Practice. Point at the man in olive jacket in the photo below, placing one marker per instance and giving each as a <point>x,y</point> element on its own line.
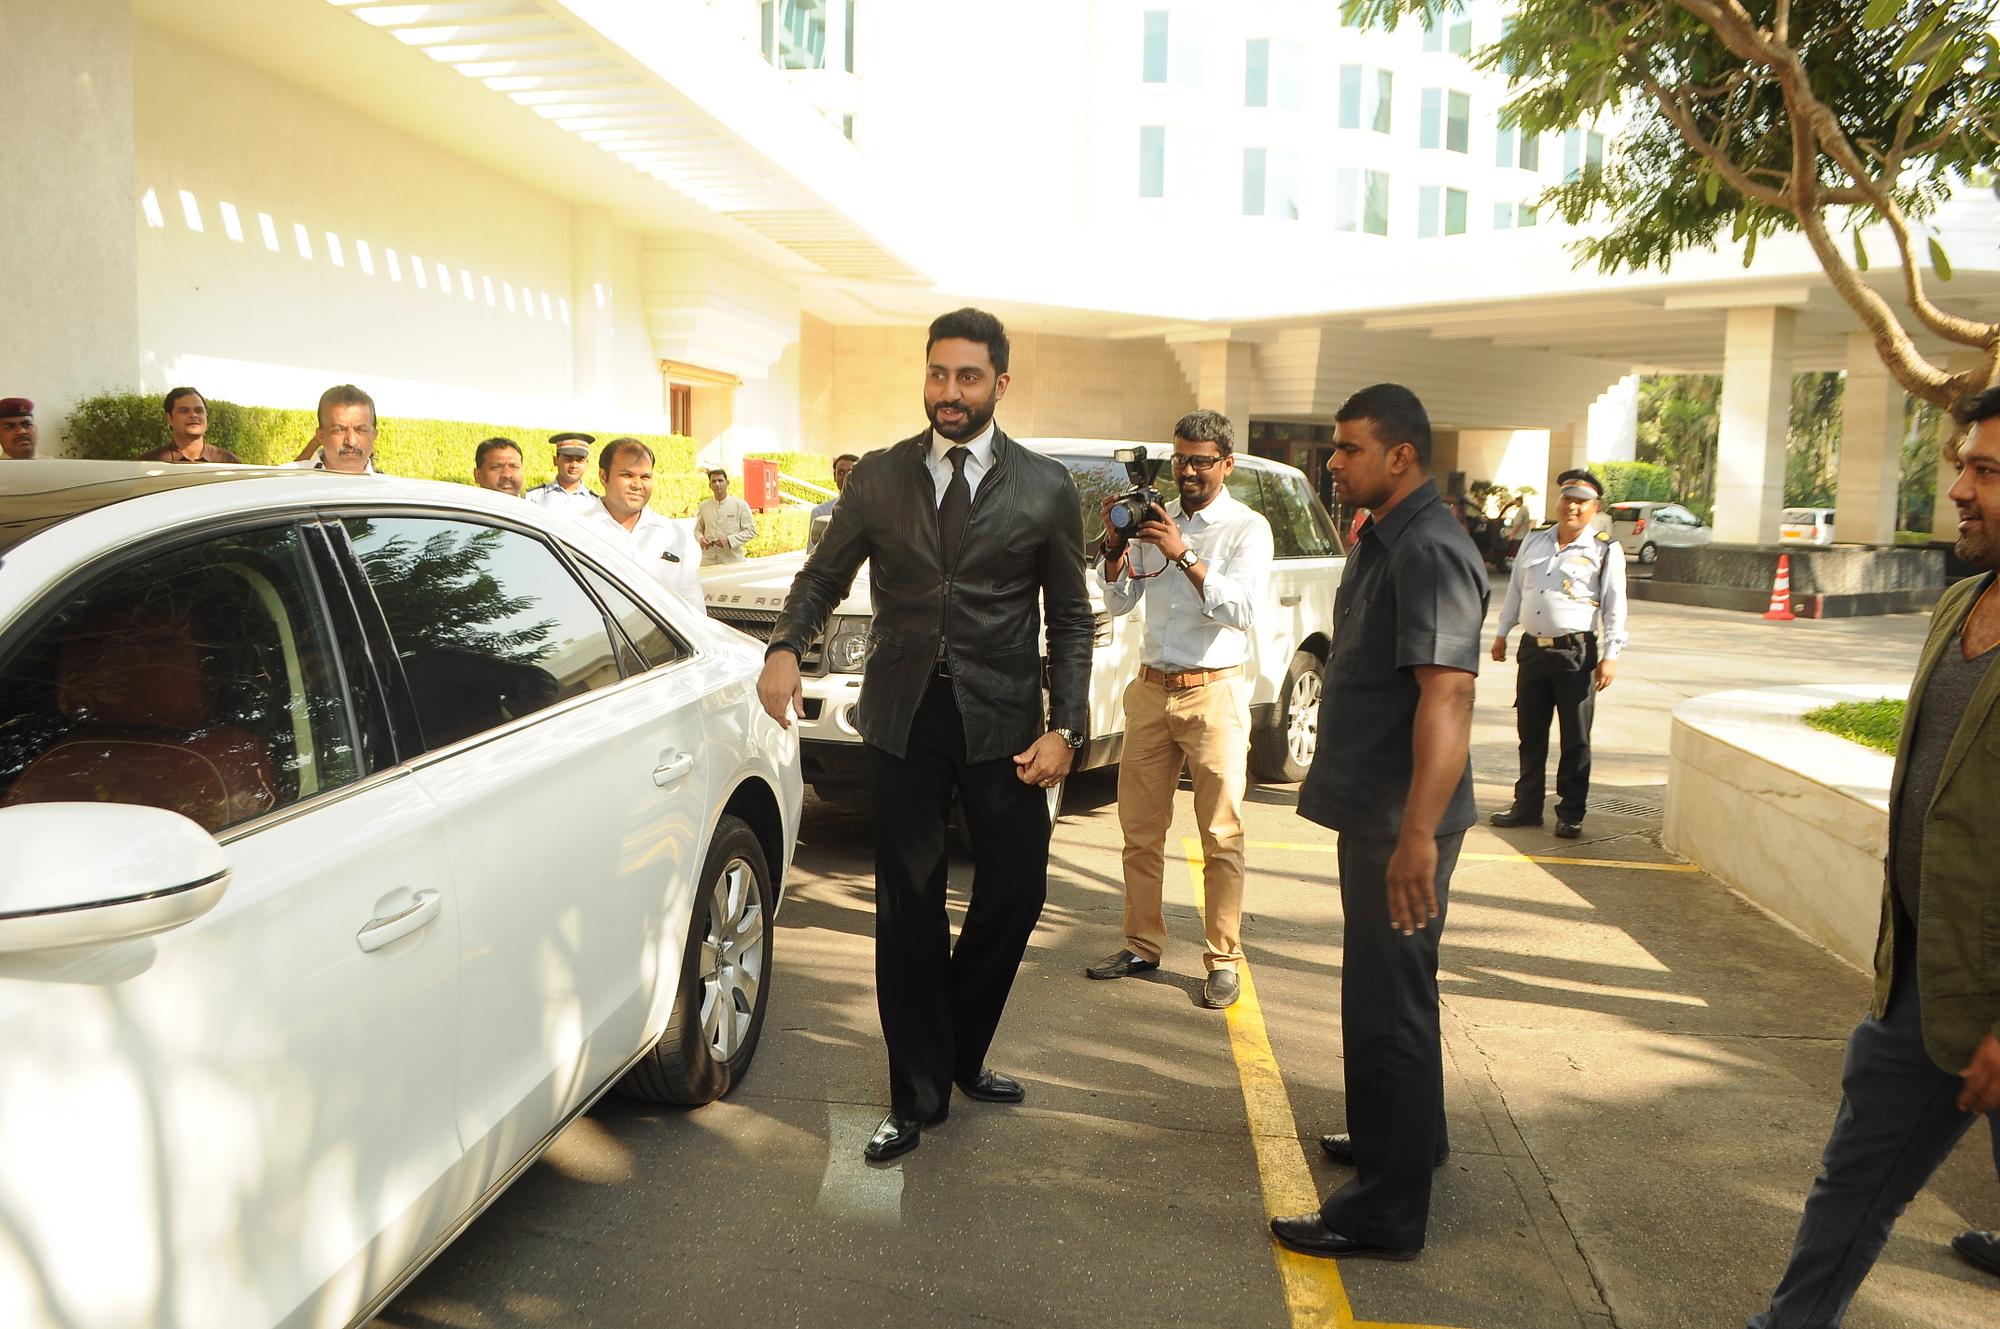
<point>967,536</point>
<point>1925,1063</point>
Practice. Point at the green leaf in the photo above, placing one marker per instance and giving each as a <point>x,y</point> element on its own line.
<point>1711,187</point>
<point>1907,52</point>
<point>1880,13</point>
<point>1750,248</point>
<point>1741,224</point>
<point>1860,251</point>
<point>1939,263</point>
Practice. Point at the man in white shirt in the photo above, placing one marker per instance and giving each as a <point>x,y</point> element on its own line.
<point>345,439</point>
<point>661,546</point>
<point>723,525</point>
<point>1201,571</point>
<point>567,492</point>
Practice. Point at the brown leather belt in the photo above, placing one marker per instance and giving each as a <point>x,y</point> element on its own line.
<point>1192,678</point>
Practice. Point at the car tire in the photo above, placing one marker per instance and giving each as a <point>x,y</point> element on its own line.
<point>1282,751</point>
<point>725,986</point>
<point>1649,553</point>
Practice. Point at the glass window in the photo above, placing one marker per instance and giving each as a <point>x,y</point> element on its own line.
<point>1531,152</point>
<point>1155,53</point>
<point>1288,76</point>
<point>1375,203</point>
<point>1505,142</point>
<point>1458,123</point>
<point>1503,216</point>
<point>1430,119</point>
<point>203,680</point>
<point>649,638</point>
<point>1253,182</point>
<point>1593,154</point>
<point>1300,527</point>
<point>1433,28</point>
<point>1283,199</point>
<point>1350,97</point>
<point>488,623</point>
<point>1152,161</point>
<point>1454,211</point>
<point>1427,211</point>
<point>1378,115</point>
<point>1572,154</point>
<point>1257,72</point>
<point>848,62</point>
<point>1525,216</point>
<point>1460,41</point>
<point>794,33</point>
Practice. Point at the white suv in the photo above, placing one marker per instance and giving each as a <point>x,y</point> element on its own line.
<point>1294,627</point>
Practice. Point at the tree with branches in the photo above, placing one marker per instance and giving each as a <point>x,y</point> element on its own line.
<point>1760,117</point>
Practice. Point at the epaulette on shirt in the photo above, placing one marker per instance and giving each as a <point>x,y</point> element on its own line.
<point>1604,537</point>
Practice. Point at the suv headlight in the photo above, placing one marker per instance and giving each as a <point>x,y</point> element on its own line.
<point>847,645</point>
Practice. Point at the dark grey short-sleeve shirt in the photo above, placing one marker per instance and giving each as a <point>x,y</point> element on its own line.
<point>1414,593</point>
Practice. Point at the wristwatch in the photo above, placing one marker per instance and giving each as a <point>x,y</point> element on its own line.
<point>1071,737</point>
<point>1189,557</point>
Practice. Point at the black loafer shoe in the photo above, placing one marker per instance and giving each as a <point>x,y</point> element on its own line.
<point>993,1087</point>
<point>1340,1148</point>
<point>1308,1234</point>
<point>1220,990</point>
<point>1980,1248</point>
<point>1568,830</point>
<point>896,1136</point>
<point>1122,965</point>
<point>1514,817</point>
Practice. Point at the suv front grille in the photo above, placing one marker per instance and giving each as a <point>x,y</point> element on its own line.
<point>759,624</point>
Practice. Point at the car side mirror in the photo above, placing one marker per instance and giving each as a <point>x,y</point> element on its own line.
<point>81,874</point>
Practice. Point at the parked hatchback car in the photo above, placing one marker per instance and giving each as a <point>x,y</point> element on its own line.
<point>1805,526</point>
<point>1644,528</point>
<point>1293,636</point>
<point>355,835</point>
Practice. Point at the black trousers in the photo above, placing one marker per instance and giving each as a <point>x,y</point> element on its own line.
<point>940,1004</point>
<point>1394,1068</point>
<point>1558,681</point>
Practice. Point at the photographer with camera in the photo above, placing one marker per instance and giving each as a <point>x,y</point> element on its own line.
<point>1200,568</point>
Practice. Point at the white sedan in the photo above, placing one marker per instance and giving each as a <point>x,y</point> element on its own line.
<point>355,835</point>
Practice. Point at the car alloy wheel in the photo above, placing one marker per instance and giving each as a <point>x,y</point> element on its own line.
<point>1649,552</point>
<point>732,959</point>
<point>1302,719</point>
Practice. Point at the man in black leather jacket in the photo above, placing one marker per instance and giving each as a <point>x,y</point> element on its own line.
<point>967,536</point>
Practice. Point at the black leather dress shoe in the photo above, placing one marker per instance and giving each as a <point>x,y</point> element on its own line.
<point>1568,830</point>
<point>1515,817</point>
<point>993,1087</point>
<point>898,1135</point>
<point>1221,989</point>
<point>1340,1148</point>
<point>1980,1248</point>
<point>1122,965</point>
<point>1308,1234</point>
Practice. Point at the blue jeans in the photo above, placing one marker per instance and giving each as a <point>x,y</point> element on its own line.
<point>1898,1121</point>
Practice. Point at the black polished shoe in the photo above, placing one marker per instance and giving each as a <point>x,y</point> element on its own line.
<point>1340,1148</point>
<point>1980,1248</point>
<point>1568,830</point>
<point>993,1087</point>
<point>1308,1234</point>
<point>1221,989</point>
<point>1122,965</point>
<point>1512,817</point>
<point>896,1136</point>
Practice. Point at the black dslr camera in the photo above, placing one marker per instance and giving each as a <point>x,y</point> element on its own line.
<point>1135,506</point>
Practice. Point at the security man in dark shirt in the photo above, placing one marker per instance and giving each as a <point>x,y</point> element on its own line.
<point>1393,775</point>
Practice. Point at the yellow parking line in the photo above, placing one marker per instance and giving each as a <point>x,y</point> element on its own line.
<point>1314,1292</point>
<point>1287,846</point>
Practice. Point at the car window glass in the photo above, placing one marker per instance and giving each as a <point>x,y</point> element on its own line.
<point>1300,528</point>
<point>656,646</point>
<point>202,680</point>
<point>1096,481</point>
<point>488,623</point>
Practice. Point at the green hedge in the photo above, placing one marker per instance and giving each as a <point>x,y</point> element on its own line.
<point>1636,481</point>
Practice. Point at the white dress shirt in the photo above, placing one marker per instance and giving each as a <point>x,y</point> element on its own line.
<point>1557,589</point>
<point>976,466</point>
<point>1210,628</point>
<point>728,518</point>
<point>649,542</point>
<point>577,502</point>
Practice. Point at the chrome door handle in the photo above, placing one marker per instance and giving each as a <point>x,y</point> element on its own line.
<point>1289,600</point>
<point>674,768</point>
<point>392,927</point>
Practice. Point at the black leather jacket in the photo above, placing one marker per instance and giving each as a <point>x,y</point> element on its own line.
<point>1023,547</point>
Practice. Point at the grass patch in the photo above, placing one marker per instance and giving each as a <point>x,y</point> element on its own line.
<point>1875,724</point>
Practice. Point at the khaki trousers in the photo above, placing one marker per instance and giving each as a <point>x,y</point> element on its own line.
<point>1208,729</point>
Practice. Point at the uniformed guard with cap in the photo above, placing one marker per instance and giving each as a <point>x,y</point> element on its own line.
<point>17,429</point>
<point>1568,581</point>
<point>567,492</point>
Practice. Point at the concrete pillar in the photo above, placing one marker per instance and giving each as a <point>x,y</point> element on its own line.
<point>592,300</point>
<point>1569,449</point>
<point>1756,415</point>
<point>1228,371</point>
<point>1944,512</point>
<point>1871,448</point>
<point>70,258</point>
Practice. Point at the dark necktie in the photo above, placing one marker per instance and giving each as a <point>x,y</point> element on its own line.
<point>955,507</point>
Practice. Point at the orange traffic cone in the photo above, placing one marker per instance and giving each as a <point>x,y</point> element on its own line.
<point>1781,592</point>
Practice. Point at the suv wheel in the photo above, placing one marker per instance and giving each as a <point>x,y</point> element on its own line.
<point>1283,750</point>
<point>1649,553</point>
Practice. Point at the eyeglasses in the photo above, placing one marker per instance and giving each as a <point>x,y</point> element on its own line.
<point>1199,463</point>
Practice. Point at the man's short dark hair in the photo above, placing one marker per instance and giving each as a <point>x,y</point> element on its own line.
<point>345,394</point>
<point>610,452</point>
<point>1397,415</point>
<point>1205,426</point>
<point>1579,473</point>
<point>972,325</point>
<point>845,456</point>
<point>1980,406</point>
<point>491,446</point>
<point>167,406</point>
<point>714,471</point>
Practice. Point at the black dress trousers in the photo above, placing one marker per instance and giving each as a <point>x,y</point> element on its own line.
<point>941,1004</point>
<point>1558,682</point>
<point>1394,1061</point>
